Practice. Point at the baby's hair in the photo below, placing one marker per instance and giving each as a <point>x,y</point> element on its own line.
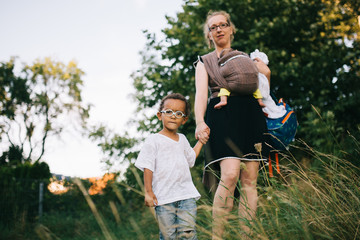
<point>176,96</point>
<point>211,14</point>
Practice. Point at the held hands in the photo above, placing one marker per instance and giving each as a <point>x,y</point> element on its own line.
<point>202,132</point>
<point>150,199</point>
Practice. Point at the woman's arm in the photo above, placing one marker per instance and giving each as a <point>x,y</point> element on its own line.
<point>263,68</point>
<point>202,131</point>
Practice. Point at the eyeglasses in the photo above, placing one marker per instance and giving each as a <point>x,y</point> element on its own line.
<point>221,26</point>
<point>170,113</point>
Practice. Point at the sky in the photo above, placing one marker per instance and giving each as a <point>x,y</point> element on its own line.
<point>104,37</point>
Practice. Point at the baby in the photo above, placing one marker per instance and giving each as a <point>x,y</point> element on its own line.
<point>262,94</point>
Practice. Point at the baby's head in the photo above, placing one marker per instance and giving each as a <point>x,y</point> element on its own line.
<point>176,96</point>
<point>228,54</point>
<point>261,55</point>
<point>225,51</point>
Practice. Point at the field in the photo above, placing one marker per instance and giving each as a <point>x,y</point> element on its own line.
<point>304,201</point>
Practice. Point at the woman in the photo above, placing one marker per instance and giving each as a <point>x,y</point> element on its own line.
<point>235,132</point>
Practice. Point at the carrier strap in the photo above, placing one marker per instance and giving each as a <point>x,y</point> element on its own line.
<point>270,168</point>
<point>287,116</point>
<point>271,174</point>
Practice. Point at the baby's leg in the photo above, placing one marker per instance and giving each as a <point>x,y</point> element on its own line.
<point>223,102</point>
<point>261,103</point>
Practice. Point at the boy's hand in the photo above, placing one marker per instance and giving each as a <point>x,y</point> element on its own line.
<point>202,132</point>
<point>150,199</point>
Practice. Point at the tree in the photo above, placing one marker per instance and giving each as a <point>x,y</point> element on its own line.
<point>313,47</point>
<point>13,91</point>
<point>36,103</point>
<point>117,149</point>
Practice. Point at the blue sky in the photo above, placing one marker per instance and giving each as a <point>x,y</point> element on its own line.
<point>104,37</point>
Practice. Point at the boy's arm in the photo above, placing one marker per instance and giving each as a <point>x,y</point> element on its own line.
<point>197,148</point>
<point>150,198</point>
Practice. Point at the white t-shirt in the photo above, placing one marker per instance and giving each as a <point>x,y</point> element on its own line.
<point>170,161</point>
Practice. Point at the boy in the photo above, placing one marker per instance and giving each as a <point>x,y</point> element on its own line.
<point>166,158</point>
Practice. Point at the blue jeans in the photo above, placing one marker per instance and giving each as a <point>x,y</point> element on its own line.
<point>177,220</point>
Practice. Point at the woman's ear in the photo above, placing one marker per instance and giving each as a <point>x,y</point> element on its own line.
<point>210,36</point>
<point>210,40</point>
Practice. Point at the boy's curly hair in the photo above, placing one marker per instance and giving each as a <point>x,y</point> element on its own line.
<point>179,97</point>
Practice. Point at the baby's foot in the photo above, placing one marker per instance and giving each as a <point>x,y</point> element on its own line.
<point>261,103</point>
<point>222,103</point>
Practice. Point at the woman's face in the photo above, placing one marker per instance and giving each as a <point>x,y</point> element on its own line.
<point>220,37</point>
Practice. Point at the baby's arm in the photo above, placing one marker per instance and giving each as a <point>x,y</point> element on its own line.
<point>150,198</point>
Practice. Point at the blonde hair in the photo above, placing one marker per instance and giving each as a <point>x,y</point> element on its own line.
<point>206,27</point>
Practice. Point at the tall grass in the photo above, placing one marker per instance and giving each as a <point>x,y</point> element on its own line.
<point>302,202</point>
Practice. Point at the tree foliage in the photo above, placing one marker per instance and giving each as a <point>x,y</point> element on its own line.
<point>37,102</point>
<point>118,150</point>
<point>13,90</point>
<point>313,47</point>
<point>19,190</point>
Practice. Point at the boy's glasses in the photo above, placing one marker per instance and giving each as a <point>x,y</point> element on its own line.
<point>221,26</point>
<point>170,113</point>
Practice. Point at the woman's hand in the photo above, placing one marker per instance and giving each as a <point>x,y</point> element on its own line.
<point>202,132</point>
<point>150,199</point>
<point>262,67</point>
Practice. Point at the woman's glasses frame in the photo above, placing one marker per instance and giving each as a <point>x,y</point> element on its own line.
<point>221,26</point>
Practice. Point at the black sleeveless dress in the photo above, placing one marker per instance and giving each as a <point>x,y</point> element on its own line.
<point>237,130</point>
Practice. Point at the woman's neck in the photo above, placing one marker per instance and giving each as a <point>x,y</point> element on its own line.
<point>218,49</point>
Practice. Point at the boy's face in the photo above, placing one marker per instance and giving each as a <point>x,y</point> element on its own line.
<point>172,123</point>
